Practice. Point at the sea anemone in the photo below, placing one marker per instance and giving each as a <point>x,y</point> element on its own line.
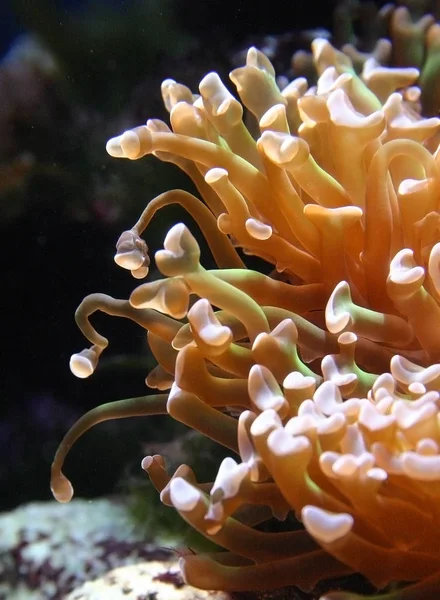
<point>321,377</point>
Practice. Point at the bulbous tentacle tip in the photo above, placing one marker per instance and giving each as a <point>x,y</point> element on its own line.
<point>114,148</point>
<point>83,364</point>
<point>131,252</point>
<point>61,487</point>
<point>132,144</point>
<point>181,253</point>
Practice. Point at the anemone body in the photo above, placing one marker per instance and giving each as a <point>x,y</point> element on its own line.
<point>324,383</point>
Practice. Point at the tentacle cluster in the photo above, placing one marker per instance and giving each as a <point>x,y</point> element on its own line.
<point>325,385</point>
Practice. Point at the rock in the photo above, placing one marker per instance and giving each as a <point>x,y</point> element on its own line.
<point>48,549</point>
<point>152,580</point>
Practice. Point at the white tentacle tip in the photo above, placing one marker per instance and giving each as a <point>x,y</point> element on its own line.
<point>325,526</point>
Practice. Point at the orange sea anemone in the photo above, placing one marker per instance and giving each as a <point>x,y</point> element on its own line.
<point>324,383</point>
